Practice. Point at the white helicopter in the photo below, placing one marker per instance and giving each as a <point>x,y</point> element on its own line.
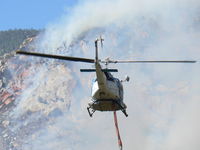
<point>107,91</point>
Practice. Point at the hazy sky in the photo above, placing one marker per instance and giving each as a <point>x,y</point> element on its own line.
<point>31,13</point>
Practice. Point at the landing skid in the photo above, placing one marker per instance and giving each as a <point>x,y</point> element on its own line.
<point>92,111</point>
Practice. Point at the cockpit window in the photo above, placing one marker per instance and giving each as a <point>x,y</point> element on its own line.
<point>109,76</point>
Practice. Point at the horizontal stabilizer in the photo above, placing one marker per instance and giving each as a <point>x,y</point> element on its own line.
<point>103,70</point>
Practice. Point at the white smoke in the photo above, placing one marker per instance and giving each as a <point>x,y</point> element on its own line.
<point>162,99</point>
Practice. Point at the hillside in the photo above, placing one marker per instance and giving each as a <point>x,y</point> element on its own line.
<point>15,74</point>
<point>11,39</point>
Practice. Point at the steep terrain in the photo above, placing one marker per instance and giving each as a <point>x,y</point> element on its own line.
<point>19,74</point>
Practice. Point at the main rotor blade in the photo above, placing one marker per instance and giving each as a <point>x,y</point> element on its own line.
<point>150,61</point>
<point>69,58</point>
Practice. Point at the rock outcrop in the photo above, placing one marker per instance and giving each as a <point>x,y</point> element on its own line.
<point>30,89</point>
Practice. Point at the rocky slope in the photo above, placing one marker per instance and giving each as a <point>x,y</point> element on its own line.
<point>26,90</point>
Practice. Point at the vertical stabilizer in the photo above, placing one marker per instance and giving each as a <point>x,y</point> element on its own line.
<point>101,78</point>
<point>96,47</point>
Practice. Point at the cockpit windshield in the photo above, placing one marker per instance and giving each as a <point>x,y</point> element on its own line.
<point>109,76</point>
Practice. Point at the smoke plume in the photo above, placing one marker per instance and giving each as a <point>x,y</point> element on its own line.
<point>162,99</point>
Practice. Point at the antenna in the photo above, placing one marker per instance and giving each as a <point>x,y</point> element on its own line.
<point>96,50</point>
<point>101,39</point>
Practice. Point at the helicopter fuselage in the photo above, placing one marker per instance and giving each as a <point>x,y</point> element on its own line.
<point>107,92</point>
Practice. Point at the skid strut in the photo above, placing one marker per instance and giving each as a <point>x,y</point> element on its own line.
<point>125,113</point>
<point>122,109</point>
<point>90,112</point>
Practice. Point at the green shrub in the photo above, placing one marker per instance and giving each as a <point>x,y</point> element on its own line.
<point>10,40</point>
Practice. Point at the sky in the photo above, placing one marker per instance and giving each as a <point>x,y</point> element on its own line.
<point>32,13</point>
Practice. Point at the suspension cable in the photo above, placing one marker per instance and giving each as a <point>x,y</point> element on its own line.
<point>117,131</point>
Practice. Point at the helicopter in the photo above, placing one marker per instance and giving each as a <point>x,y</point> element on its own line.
<point>107,90</point>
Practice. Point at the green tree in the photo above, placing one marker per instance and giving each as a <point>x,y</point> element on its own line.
<point>11,39</point>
